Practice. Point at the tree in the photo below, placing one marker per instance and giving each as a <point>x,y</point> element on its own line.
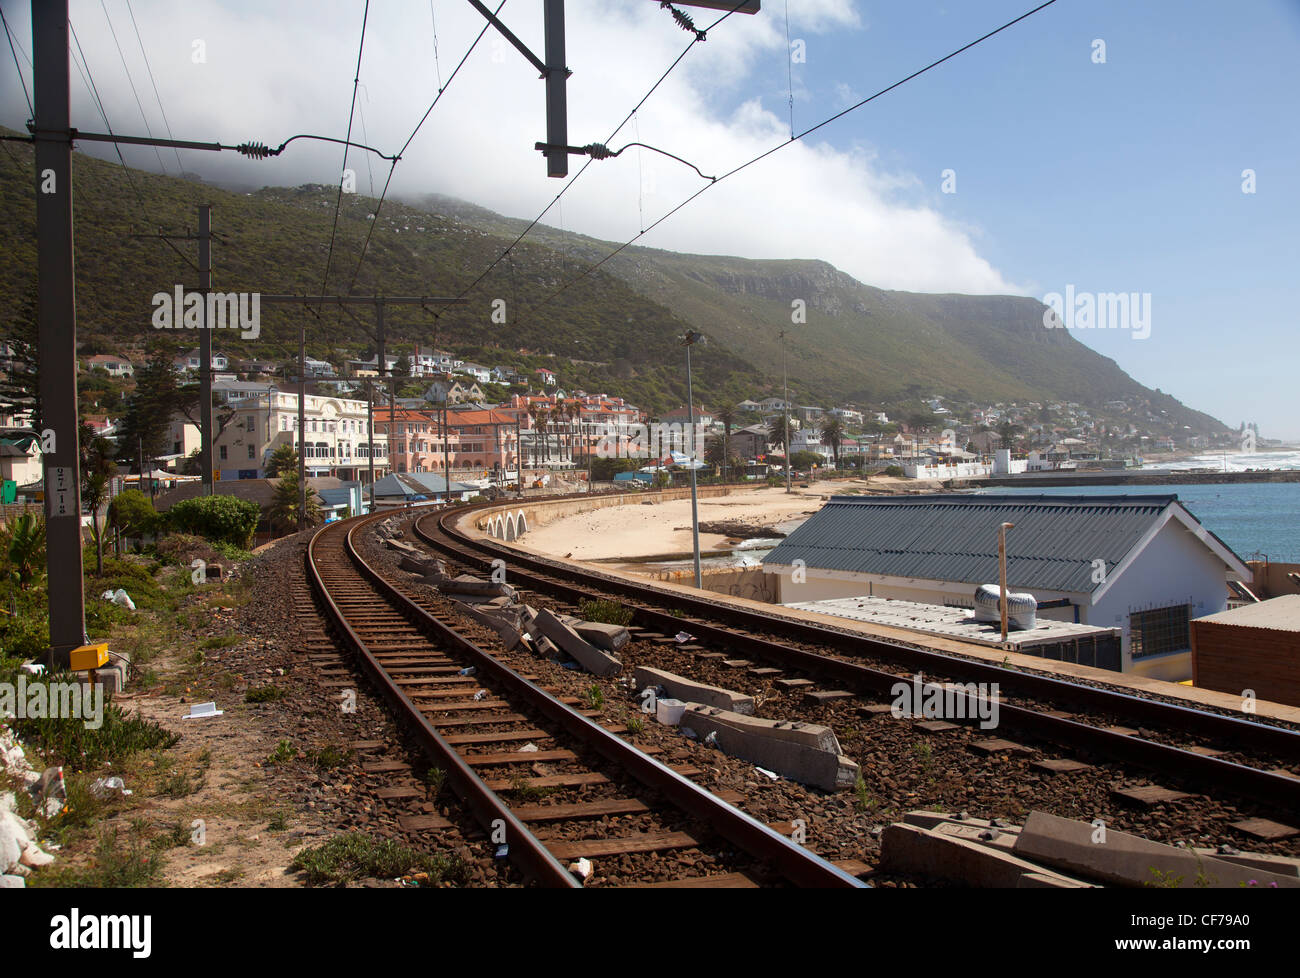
<point>1008,432</point>
<point>283,460</point>
<point>284,505</point>
<point>402,368</point>
<point>97,469</point>
<point>132,514</point>
<point>158,396</point>
<point>778,433</point>
<point>831,429</point>
<point>24,548</point>
<point>20,389</point>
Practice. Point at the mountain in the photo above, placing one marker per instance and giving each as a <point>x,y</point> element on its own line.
<point>614,329</point>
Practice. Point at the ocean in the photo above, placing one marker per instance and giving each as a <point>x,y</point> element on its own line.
<point>1254,519</point>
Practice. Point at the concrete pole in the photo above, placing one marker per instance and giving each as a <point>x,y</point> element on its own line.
<point>302,423</point>
<point>785,408</point>
<point>56,317</point>
<point>695,505</point>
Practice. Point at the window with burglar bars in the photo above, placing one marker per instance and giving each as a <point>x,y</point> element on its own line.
<point>1159,631</point>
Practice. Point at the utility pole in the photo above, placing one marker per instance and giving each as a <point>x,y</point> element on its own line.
<point>57,326</point>
<point>446,455</point>
<point>689,340</point>
<point>302,424</point>
<point>205,350</point>
<point>370,438</point>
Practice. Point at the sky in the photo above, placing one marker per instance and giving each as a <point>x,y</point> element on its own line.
<point>1100,146</point>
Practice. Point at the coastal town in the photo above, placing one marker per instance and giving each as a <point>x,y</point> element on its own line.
<point>446,422</point>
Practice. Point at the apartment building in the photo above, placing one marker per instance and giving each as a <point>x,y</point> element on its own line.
<point>256,419</point>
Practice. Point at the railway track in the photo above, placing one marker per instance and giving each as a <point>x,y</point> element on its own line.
<point>1243,757</point>
<point>548,784</point>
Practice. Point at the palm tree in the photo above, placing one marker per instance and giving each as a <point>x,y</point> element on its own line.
<point>778,433</point>
<point>831,429</point>
<point>282,461</point>
<point>25,548</point>
<point>727,414</point>
<point>284,505</point>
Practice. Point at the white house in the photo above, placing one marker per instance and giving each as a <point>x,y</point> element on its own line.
<point>111,365</point>
<point>476,370</point>
<point>1139,563</point>
<point>192,361</point>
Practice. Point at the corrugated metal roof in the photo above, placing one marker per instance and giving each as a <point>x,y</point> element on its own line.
<point>955,537</point>
<point>1280,614</point>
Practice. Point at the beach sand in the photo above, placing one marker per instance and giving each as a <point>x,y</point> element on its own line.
<point>634,530</point>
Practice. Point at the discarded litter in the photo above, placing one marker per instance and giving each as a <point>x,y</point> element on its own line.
<point>480,695</point>
<point>570,665</point>
<point>106,787</point>
<point>33,668</point>
<point>580,868</point>
<point>712,739</point>
<point>689,734</point>
<point>200,711</point>
<point>669,711</point>
<point>683,637</point>
<point>503,851</point>
<point>469,671</point>
<point>528,748</point>
<point>119,597</point>
<point>771,774</point>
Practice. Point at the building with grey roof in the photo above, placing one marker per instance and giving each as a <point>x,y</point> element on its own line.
<point>1141,562</point>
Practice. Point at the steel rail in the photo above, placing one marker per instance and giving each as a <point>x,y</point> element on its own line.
<point>795,863</point>
<point>1278,789</point>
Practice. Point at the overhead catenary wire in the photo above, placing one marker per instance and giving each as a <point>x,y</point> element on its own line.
<point>147,67</point>
<point>782,145</point>
<point>89,78</point>
<point>365,246</point>
<point>590,159</point>
<point>338,203</point>
<point>21,77</point>
<point>131,81</point>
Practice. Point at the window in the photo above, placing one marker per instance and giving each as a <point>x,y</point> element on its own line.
<point>222,452</point>
<point>250,451</point>
<point>1159,631</point>
<point>248,425</point>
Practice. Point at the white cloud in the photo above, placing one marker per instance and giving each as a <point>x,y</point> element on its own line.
<point>271,75</point>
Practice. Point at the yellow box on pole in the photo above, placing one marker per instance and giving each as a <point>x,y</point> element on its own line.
<point>88,657</point>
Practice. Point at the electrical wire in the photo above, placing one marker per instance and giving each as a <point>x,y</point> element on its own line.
<point>365,246</point>
<point>149,69</point>
<point>130,81</point>
<point>338,203</point>
<point>21,77</point>
<point>89,78</point>
<point>782,145</point>
<point>583,169</point>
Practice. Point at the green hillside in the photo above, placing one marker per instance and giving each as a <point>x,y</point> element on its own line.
<point>616,329</point>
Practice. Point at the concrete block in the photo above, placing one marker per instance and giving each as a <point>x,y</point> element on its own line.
<point>499,620</point>
<point>1129,860</point>
<point>587,655</point>
<point>112,678</point>
<point>1284,865</point>
<point>473,587</point>
<point>691,691</point>
<point>611,638</point>
<point>804,752</point>
<point>914,850</point>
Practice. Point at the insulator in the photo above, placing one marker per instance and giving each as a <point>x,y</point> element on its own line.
<point>597,151</point>
<point>256,151</point>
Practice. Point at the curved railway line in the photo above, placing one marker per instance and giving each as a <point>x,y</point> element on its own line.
<point>1217,752</point>
<point>599,796</point>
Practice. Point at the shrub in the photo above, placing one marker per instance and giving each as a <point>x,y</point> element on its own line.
<point>606,611</point>
<point>132,514</point>
<point>220,519</point>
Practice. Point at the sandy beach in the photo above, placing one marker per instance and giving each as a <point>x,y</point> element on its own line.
<point>636,531</point>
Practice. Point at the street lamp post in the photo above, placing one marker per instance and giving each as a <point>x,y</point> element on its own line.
<point>1002,574</point>
<point>689,340</point>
